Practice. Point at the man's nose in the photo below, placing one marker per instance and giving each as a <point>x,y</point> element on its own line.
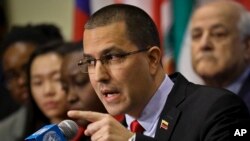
<point>101,72</point>
<point>205,42</point>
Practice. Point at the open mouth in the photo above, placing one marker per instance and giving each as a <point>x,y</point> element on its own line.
<point>110,95</point>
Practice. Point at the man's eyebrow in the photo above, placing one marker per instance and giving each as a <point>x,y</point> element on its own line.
<point>105,51</point>
<point>196,29</point>
<point>86,55</point>
<point>216,26</point>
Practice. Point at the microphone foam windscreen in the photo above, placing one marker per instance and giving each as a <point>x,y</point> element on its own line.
<point>69,128</point>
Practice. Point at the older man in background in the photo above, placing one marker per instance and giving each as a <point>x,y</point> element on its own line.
<point>220,40</point>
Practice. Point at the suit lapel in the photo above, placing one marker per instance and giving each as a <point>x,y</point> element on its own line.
<point>170,114</point>
<point>166,124</point>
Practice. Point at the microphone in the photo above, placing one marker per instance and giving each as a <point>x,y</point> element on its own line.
<point>65,130</point>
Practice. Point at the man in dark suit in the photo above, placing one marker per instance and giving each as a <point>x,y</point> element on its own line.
<point>220,40</point>
<point>122,56</point>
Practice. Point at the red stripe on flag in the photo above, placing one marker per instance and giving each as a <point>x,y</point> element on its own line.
<point>118,1</point>
<point>245,3</point>
<point>80,19</point>
<point>156,12</point>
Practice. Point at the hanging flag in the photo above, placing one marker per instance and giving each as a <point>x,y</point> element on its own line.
<point>181,12</point>
<point>81,15</point>
<point>245,3</point>
<point>175,37</point>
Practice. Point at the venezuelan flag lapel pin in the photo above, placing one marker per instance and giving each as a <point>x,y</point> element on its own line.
<point>164,124</point>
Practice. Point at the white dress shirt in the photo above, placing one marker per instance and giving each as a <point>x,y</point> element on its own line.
<point>151,113</point>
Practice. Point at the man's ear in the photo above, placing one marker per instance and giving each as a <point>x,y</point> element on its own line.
<point>155,56</point>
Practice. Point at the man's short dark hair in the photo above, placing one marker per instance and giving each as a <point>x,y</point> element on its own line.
<point>141,29</point>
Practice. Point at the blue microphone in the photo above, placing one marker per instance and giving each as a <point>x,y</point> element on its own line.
<point>65,130</point>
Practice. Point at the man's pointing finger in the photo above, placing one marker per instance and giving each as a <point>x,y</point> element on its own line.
<point>86,115</point>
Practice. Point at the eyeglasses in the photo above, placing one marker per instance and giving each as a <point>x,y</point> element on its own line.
<point>111,61</point>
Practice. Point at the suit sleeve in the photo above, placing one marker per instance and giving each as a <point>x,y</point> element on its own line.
<point>223,119</point>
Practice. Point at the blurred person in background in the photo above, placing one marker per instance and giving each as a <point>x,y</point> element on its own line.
<point>17,47</point>
<point>50,31</point>
<point>79,91</point>
<point>45,81</point>
<point>47,100</point>
<point>220,40</point>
